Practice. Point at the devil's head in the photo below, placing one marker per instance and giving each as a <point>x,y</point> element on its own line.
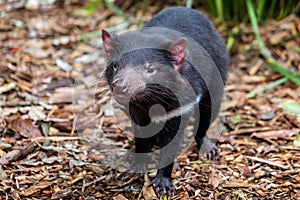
<point>135,72</point>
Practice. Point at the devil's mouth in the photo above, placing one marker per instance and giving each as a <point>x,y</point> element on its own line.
<point>122,98</point>
<point>125,98</point>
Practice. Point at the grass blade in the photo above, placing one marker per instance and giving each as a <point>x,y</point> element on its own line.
<point>189,3</point>
<point>267,87</point>
<point>219,5</point>
<point>260,10</point>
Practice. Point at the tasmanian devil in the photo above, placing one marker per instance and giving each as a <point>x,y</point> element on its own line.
<point>175,66</point>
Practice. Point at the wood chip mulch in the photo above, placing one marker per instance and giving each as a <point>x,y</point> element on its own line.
<point>59,127</point>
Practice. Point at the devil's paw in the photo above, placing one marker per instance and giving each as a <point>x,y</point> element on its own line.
<point>163,187</point>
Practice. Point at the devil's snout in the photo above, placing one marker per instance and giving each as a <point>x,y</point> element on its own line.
<point>119,86</point>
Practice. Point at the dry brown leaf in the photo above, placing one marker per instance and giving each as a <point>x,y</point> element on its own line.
<point>214,179</point>
<point>9,157</point>
<point>25,128</point>
<point>119,197</point>
<point>14,155</point>
<point>35,188</point>
<point>147,190</point>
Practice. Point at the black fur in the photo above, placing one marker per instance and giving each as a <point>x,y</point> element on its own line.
<point>128,74</point>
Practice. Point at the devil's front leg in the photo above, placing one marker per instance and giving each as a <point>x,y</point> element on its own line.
<point>202,123</point>
<point>141,157</point>
<point>170,139</point>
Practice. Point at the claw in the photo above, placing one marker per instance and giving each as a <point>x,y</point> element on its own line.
<point>209,149</point>
<point>213,154</point>
<point>163,187</point>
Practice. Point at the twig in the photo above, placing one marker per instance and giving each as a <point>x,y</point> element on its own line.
<point>267,162</point>
<point>53,138</point>
<point>247,130</point>
<point>290,148</point>
<point>84,185</point>
<point>74,126</point>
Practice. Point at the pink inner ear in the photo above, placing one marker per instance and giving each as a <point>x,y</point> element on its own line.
<point>106,40</point>
<point>105,36</point>
<point>179,52</point>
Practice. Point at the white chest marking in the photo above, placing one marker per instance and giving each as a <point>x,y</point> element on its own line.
<point>176,112</point>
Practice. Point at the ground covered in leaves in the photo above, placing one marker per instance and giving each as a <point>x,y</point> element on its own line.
<point>55,110</point>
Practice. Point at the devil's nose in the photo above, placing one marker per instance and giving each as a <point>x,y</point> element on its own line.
<point>120,89</point>
<point>119,86</point>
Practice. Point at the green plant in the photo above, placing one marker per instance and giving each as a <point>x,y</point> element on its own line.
<point>264,51</point>
<point>236,10</point>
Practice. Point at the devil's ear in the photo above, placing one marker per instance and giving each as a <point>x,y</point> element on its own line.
<point>178,53</point>
<point>106,38</point>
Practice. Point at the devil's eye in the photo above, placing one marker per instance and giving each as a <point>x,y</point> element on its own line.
<point>150,70</point>
<point>114,67</point>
